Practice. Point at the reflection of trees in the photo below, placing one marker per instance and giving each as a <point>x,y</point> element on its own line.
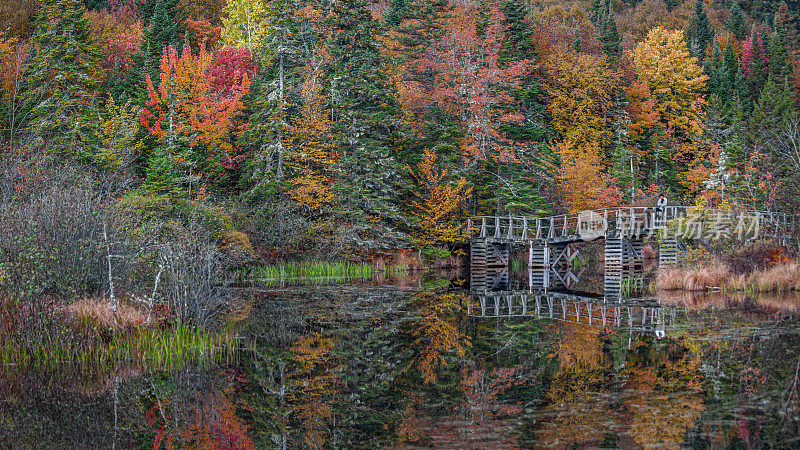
<point>313,386</point>
<point>668,397</point>
<point>436,332</point>
<point>579,387</point>
<point>753,378</point>
<point>194,410</point>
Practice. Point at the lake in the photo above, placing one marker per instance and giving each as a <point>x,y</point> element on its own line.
<point>425,363</point>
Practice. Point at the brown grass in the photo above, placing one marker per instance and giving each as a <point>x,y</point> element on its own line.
<point>99,309</point>
<point>779,278</point>
<point>698,279</point>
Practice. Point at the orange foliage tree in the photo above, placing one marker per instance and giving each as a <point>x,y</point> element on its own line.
<point>581,174</point>
<point>470,83</point>
<point>436,333</point>
<point>313,158</point>
<point>437,203</point>
<point>185,109</point>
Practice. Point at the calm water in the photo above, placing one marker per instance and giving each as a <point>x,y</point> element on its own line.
<point>431,365</point>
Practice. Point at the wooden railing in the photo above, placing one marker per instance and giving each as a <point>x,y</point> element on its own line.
<point>633,221</point>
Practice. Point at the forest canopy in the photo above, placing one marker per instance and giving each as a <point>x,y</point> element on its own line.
<point>355,128</point>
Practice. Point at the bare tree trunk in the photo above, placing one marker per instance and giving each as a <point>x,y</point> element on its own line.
<point>110,275</point>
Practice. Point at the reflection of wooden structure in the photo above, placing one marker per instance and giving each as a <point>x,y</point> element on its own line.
<point>636,315</point>
<point>551,241</point>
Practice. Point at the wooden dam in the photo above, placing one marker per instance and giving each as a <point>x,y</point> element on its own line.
<point>552,241</point>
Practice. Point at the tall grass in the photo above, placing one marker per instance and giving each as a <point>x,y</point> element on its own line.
<point>779,278</point>
<point>319,272</point>
<point>157,348</point>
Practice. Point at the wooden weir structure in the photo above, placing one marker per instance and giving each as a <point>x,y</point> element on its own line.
<point>552,241</point>
<point>636,315</point>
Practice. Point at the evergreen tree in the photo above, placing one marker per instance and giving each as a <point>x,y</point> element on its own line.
<point>731,60</point>
<point>269,122</point>
<point>610,37</point>
<point>720,82</point>
<point>774,107</point>
<point>779,65</point>
<point>161,178</point>
<point>519,42</point>
<point>364,122</point>
<point>61,80</point>
<point>576,40</point>
<point>700,32</point>
<point>165,26</point>
<point>395,13</point>
<point>785,24</point>
<point>421,24</point>
<point>483,19</point>
<point>737,24</point>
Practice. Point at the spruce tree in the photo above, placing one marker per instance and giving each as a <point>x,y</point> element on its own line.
<point>737,24</point>
<point>395,13</point>
<point>774,107</point>
<point>483,18</point>
<point>61,80</point>
<point>364,121</point>
<point>610,37</point>
<point>165,26</point>
<point>511,187</point>
<point>519,42</point>
<point>576,40</point>
<point>700,32</point>
<point>420,25</point>
<point>779,65</point>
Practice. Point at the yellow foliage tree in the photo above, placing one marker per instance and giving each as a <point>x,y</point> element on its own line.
<point>119,127</point>
<point>313,157</point>
<point>675,80</point>
<point>245,23</point>
<point>580,88</point>
<point>437,203</point>
<point>581,174</point>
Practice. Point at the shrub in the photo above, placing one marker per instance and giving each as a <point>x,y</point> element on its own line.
<point>754,256</point>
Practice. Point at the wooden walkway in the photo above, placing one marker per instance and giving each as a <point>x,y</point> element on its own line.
<point>551,241</point>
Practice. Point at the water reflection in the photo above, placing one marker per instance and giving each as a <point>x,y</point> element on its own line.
<point>438,367</point>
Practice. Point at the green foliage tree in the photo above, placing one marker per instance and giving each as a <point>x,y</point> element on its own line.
<point>165,25</point>
<point>737,24</point>
<point>700,32</point>
<point>61,81</point>
<point>364,119</point>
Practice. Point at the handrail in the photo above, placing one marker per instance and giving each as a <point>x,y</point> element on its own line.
<point>648,219</point>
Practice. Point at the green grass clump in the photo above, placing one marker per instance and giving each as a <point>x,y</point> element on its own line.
<point>319,272</point>
<point>157,348</point>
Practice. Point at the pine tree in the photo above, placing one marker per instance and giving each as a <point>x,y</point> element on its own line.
<point>519,43</point>
<point>610,37</point>
<point>700,32</point>
<point>364,122</point>
<point>165,26</point>
<point>576,40</point>
<point>396,12</point>
<point>61,80</point>
<point>736,23</point>
<point>421,24</point>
